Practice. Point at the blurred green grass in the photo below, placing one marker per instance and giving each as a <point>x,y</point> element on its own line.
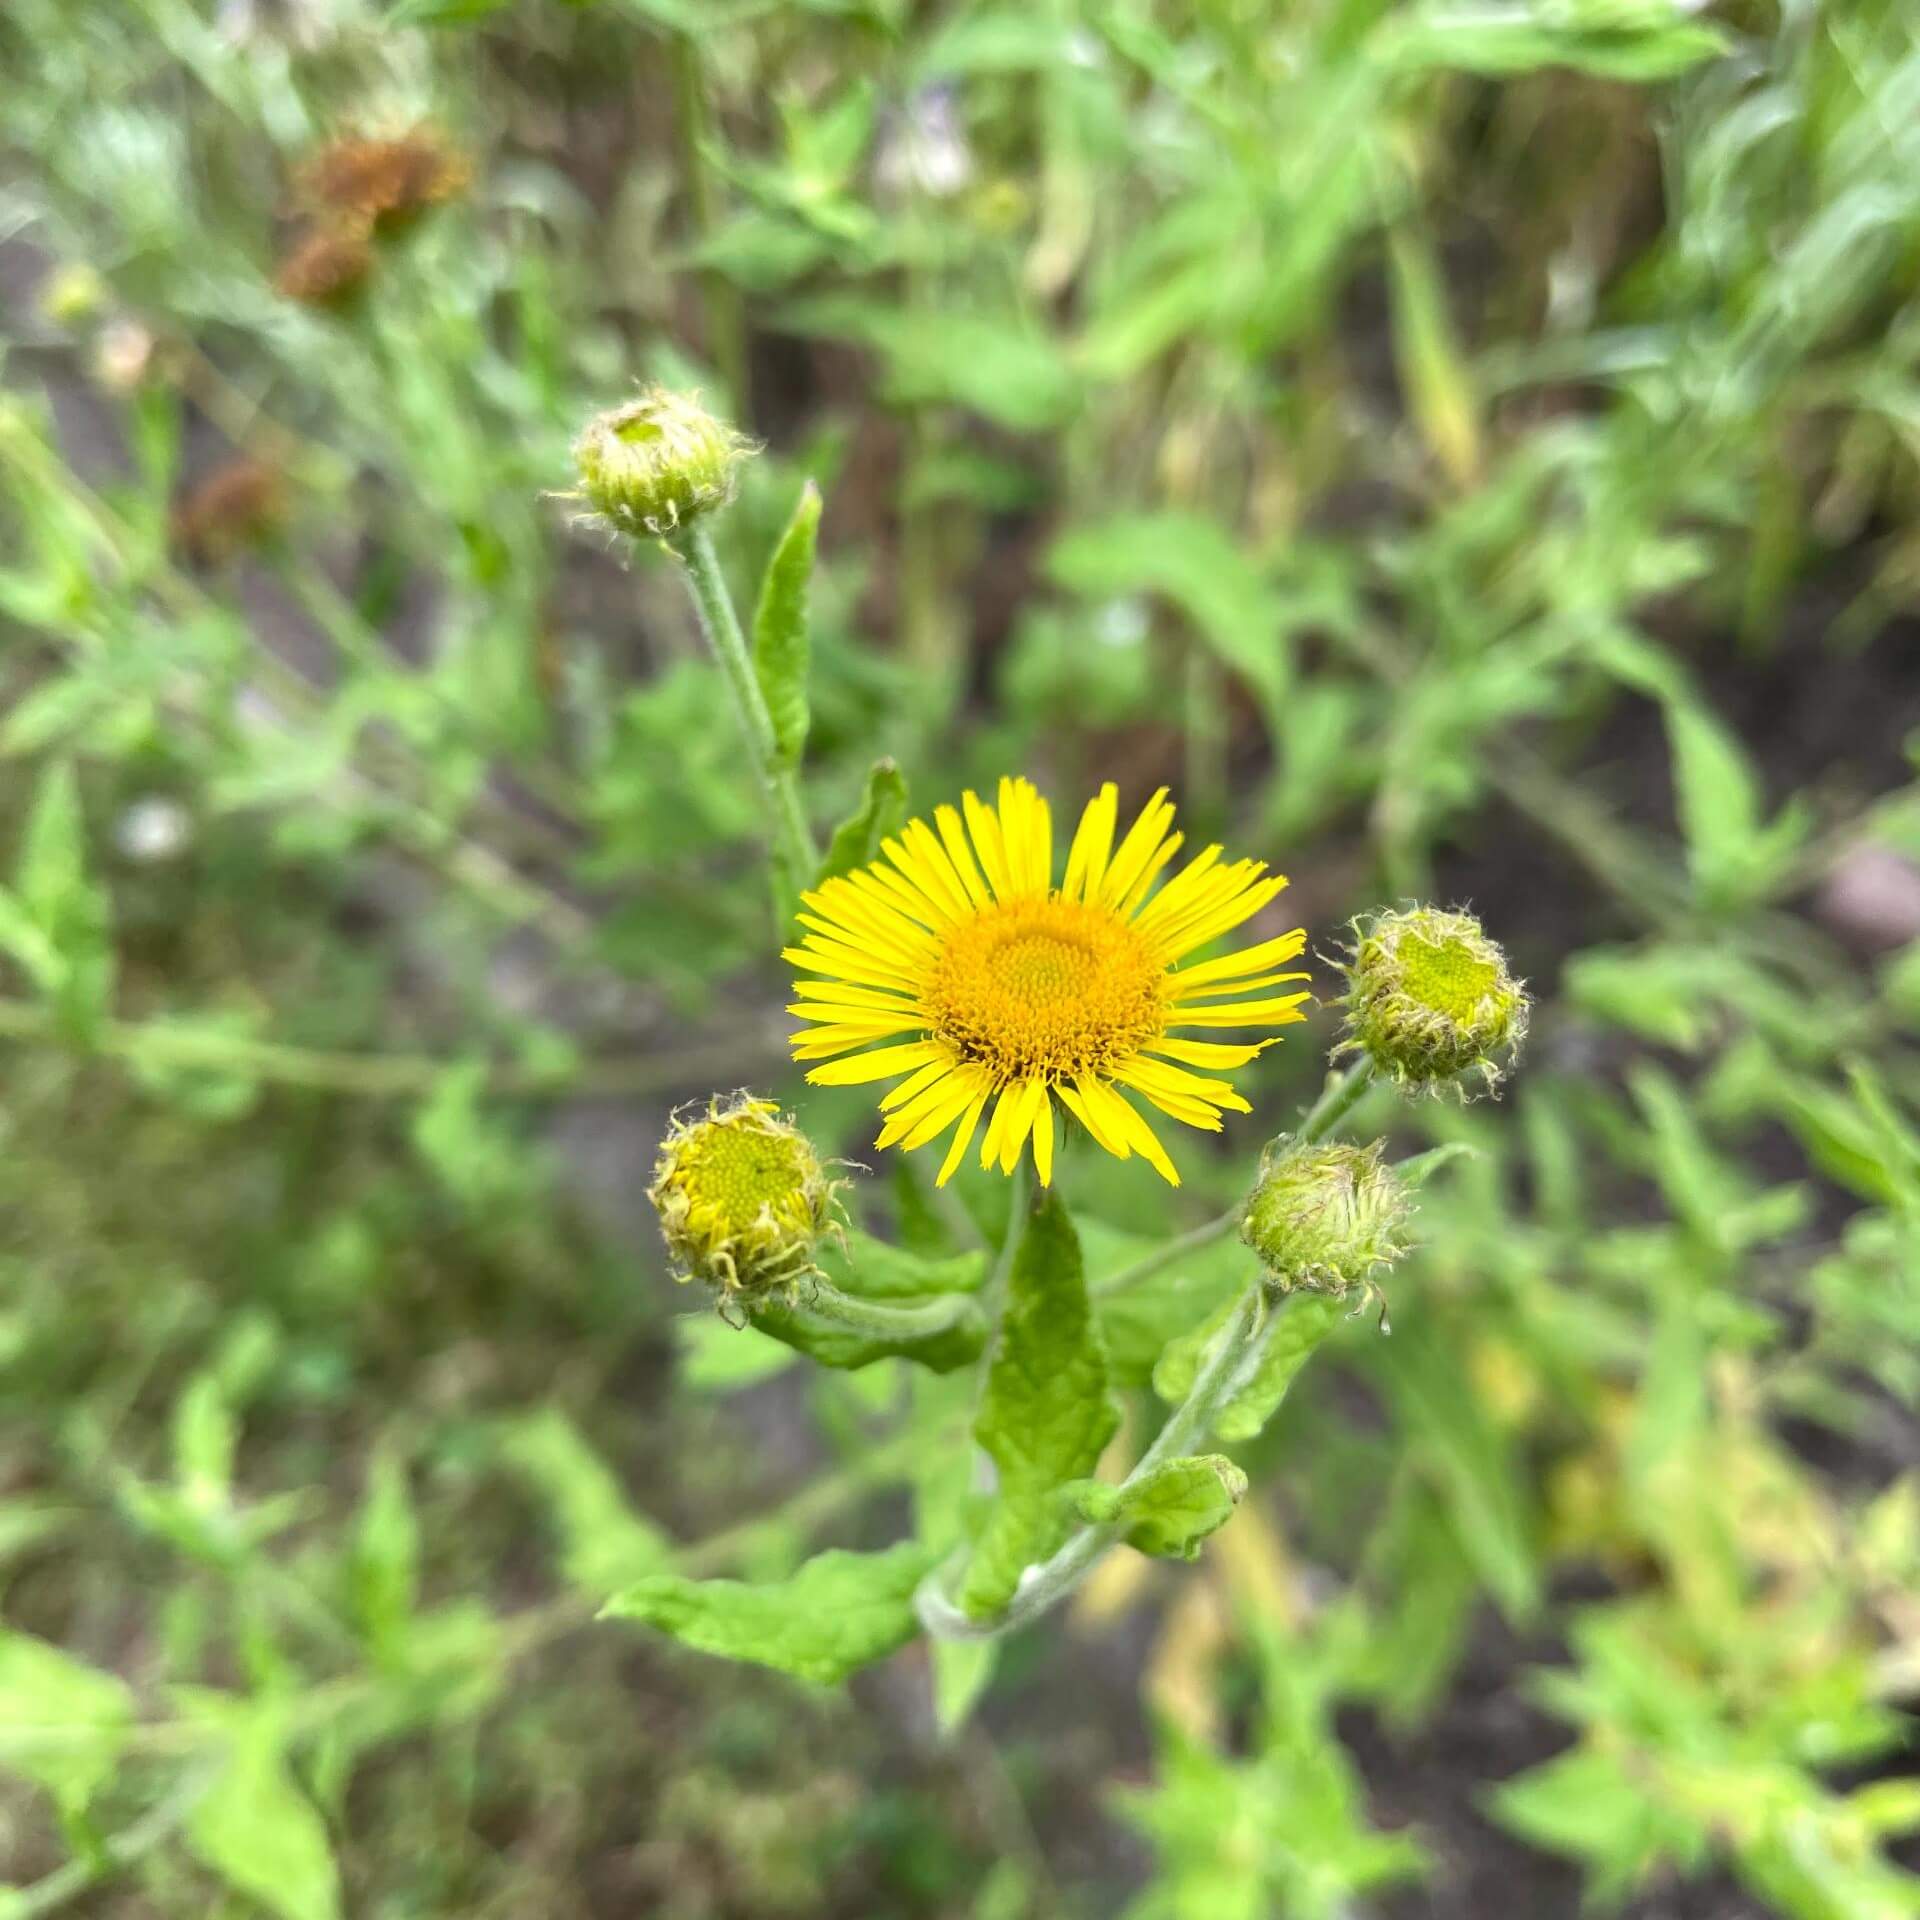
<point>1465,452</point>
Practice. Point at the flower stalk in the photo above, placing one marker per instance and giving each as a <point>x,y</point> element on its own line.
<point>793,838</point>
<point>1232,1360</point>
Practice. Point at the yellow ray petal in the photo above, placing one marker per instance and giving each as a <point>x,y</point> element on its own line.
<point>1258,980</point>
<point>1143,838</point>
<point>1250,1013</point>
<point>1071,1099</point>
<point>1092,842</point>
<point>1230,966</point>
<point>1230,914</point>
<point>882,1065</point>
<point>1032,1096</point>
<point>1208,1053</point>
<point>912,1089</point>
<point>1123,1119</point>
<point>962,1138</point>
<point>953,837</point>
<point>985,830</point>
<point>1003,1111</point>
<point>1152,1076</point>
<point>1043,1139</point>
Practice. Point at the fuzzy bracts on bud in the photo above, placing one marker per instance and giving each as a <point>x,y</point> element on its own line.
<point>661,461</point>
<point>1430,1000</point>
<point>743,1200</point>
<point>1328,1217</point>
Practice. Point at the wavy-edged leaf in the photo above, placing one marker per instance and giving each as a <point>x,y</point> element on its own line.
<point>839,1612</point>
<point>781,648</point>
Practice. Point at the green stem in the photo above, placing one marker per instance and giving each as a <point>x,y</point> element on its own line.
<point>936,1314</point>
<point>787,817</point>
<point>1160,1258</point>
<point>153,1829</point>
<point>1338,1099</point>
<point>1230,1361</point>
<point>1233,1356</point>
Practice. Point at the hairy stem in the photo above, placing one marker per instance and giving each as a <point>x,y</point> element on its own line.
<point>1232,1358</point>
<point>1341,1095</point>
<point>937,1313</point>
<point>786,817</point>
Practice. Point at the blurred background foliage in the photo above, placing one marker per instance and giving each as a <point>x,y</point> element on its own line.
<point>1466,451</point>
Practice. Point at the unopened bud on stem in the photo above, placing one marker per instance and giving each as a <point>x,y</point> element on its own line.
<point>1331,1217</point>
<point>1430,1000</point>
<point>743,1200</point>
<point>653,466</point>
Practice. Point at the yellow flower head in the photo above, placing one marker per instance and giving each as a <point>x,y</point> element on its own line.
<point>987,984</point>
<point>742,1198</point>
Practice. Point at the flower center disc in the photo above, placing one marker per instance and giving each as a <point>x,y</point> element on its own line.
<point>1445,976</point>
<point>735,1171</point>
<point>1045,987</point>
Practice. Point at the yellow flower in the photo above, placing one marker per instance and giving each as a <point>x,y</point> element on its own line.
<point>988,984</point>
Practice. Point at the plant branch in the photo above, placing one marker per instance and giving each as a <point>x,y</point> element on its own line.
<point>787,818</point>
<point>1232,1358</point>
<point>893,1320</point>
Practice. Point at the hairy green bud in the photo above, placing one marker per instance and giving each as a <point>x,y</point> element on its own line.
<point>1430,1000</point>
<point>651,467</point>
<point>743,1200</point>
<point>1329,1217</point>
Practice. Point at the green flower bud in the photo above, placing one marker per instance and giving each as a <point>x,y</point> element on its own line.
<point>1430,1000</point>
<point>743,1199</point>
<point>662,460</point>
<point>1329,1217</point>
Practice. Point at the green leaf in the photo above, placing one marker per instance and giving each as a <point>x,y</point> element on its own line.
<point>55,922</point>
<point>714,1357</point>
<point>604,1544</point>
<point>1418,1168</point>
<point>1449,1432</point>
<point>442,13</point>
<point>780,644</point>
<point>955,1343</point>
<point>1001,366</point>
<point>1173,1508</point>
<point>962,1671</point>
<point>1641,40</point>
<point>1433,370</point>
<point>1197,566</point>
<point>838,1613</point>
<point>62,1722</point>
<point>260,1833</point>
<point>881,813</point>
<point>385,1562</point>
<point>1045,1416</point>
<point>1305,1320</point>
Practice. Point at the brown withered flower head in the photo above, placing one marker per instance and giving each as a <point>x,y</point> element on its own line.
<point>326,267</point>
<point>241,503</point>
<point>384,181</point>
